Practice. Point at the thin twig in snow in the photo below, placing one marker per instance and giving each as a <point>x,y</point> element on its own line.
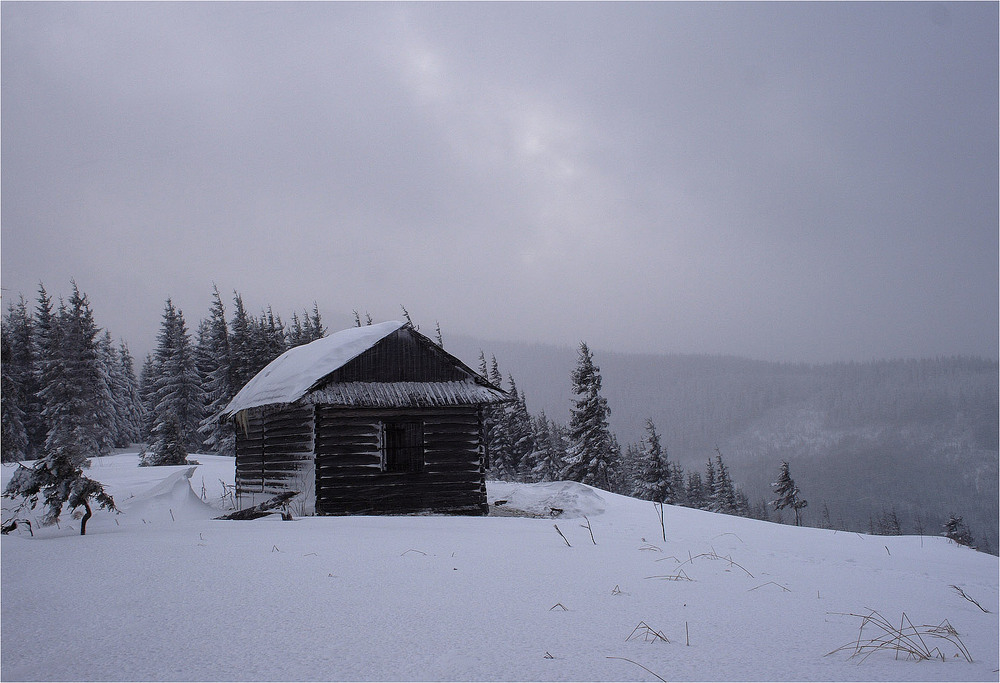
<point>962,593</point>
<point>641,667</point>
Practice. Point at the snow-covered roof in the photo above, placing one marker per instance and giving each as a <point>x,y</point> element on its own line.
<point>290,376</point>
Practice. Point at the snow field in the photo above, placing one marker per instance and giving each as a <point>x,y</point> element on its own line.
<point>185,597</point>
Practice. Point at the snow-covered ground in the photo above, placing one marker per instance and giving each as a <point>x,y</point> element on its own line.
<point>165,592</point>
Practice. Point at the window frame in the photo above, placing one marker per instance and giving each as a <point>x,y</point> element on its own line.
<point>402,446</point>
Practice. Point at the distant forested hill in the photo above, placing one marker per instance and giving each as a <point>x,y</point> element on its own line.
<point>919,436</point>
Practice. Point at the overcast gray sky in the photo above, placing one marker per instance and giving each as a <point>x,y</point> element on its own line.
<point>785,181</point>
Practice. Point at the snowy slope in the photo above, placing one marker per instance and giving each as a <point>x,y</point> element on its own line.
<point>164,592</point>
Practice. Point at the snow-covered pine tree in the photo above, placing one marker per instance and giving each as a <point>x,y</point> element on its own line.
<point>71,388</point>
<point>132,413</point>
<point>178,396</point>
<point>270,341</point>
<point>314,329</point>
<point>45,321</point>
<point>13,433</point>
<point>492,416</point>
<point>624,476</point>
<point>956,529</point>
<point>215,366</point>
<point>709,487</point>
<point>678,493</point>
<point>495,377</point>
<point>107,414</point>
<point>168,447</point>
<point>241,344</point>
<point>551,449</point>
<point>25,334</point>
<point>654,476</point>
<point>309,328</point>
<point>726,500</point>
<point>501,447</point>
<point>788,493</point>
<point>19,383</point>
<point>147,394</point>
<point>519,433</point>
<point>888,523</point>
<point>694,491</point>
<point>592,449</point>
<point>502,459</point>
<point>296,335</point>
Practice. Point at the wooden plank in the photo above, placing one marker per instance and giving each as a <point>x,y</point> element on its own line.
<point>348,460</point>
<point>470,468</point>
<point>406,500</point>
<point>349,472</point>
<point>354,486</point>
<point>472,504</point>
<point>469,447</point>
<point>348,452</point>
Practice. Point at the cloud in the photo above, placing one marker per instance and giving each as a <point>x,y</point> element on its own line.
<point>792,181</point>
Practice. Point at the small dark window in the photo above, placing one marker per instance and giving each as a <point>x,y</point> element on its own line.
<point>402,446</point>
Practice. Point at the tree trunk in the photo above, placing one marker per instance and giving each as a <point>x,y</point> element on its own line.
<point>87,515</point>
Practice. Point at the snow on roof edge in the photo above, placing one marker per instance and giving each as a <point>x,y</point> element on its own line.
<point>289,376</point>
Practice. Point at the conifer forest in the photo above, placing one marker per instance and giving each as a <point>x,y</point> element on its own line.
<point>720,434</point>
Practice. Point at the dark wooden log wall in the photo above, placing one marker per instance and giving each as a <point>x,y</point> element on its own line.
<point>349,476</point>
<point>250,451</point>
<point>275,450</point>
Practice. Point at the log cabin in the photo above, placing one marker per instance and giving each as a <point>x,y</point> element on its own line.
<point>376,419</point>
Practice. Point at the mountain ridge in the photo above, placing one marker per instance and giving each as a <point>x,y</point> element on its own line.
<point>917,435</point>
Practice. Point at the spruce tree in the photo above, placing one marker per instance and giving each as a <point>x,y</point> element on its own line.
<point>71,390</point>
<point>725,494</point>
<point>19,386</point>
<point>501,446</point>
<point>178,397</point>
<point>677,494</point>
<point>625,475</point>
<point>490,413</point>
<point>296,333</point>
<point>956,530</point>
<point>654,476</point>
<point>520,434</point>
<point>551,449</point>
<point>709,487</point>
<point>592,449</point>
<point>694,492</point>
<point>13,433</point>
<point>272,341</point>
<point>215,366</point>
<point>106,414</point>
<point>788,493</point>
<point>241,344</point>
<point>131,411</point>
<point>44,321</point>
<point>314,329</point>
<point>147,394</point>
<point>309,328</point>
